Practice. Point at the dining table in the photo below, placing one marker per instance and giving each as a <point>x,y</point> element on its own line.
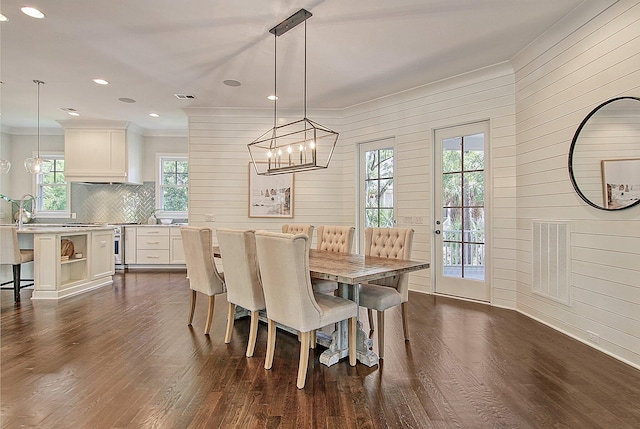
<point>349,270</point>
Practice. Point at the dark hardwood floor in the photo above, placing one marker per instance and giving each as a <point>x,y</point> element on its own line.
<point>123,357</point>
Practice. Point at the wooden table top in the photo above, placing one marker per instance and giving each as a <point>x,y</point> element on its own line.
<point>353,268</point>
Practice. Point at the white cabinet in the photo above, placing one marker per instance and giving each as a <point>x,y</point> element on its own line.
<point>175,246</point>
<point>130,247</point>
<point>102,151</point>
<point>101,254</point>
<point>153,245</point>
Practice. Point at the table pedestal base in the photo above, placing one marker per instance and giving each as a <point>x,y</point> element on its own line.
<point>335,352</point>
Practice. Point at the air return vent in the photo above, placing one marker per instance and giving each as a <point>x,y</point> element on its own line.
<point>185,96</point>
<point>550,260</point>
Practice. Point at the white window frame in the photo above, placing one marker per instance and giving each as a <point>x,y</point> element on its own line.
<point>37,188</point>
<point>160,158</point>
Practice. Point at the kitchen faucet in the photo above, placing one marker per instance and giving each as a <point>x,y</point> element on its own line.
<point>21,208</point>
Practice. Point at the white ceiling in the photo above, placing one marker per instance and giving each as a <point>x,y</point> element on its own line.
<point>149,50</point>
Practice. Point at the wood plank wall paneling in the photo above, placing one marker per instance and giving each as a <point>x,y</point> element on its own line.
<point>219,158</point>
<point>554,91</point>
<point>412,117</point>
<point>533,113</point>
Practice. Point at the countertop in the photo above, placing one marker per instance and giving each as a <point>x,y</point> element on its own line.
<point>59,229</point>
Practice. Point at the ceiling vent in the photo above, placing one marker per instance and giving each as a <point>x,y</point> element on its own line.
<point>185,96</point>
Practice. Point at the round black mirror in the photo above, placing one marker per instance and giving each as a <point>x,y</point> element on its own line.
<point>604,158</point>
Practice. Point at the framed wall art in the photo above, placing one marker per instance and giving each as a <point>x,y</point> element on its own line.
<point>621,182</point>
<point>270,196</point>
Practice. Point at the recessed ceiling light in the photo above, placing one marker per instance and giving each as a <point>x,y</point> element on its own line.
<point>74,113</point>
<point>127,100</point>
<point>3,18</point>
<point>154,115</point>
<point>231,82</point>
<point>101,81</point>
<point>32,12</point>
<point>272,97</point>
<point>185,96</point>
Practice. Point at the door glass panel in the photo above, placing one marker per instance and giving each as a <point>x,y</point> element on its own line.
<point>451,188</point>
<point>452,155</point>
<point>463,188</point>
<point>372,193</point>
<point>372,164</point>
<point>474,189</point>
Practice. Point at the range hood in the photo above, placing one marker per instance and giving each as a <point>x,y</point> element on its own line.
<point>102,152</point>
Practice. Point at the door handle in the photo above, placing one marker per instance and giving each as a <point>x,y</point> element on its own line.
<point>437,231</point>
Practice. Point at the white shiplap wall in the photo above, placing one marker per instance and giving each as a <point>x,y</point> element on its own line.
<point>411,117</point>
<point>219,158</point>
<point>556,87</point>
<point>219,162</point>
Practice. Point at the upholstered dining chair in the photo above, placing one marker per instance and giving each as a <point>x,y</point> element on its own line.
<point>201,268</point>
<point>290,301</point>
<point>242,278</point>
<point>332,239</point>
<point>385,293</point>
<point>12,254</point>
<point>298,228</point>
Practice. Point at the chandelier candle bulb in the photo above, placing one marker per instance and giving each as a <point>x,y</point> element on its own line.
<point>294,133</point>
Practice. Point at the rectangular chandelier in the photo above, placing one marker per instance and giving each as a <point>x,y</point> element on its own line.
<point>302,145</point>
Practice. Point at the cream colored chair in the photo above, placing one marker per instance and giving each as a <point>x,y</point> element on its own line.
<point>11,254</point>
<point>394,243</point>
<point>284,269</point>
<point>332,239</point>
<point>201,268</point>
<point>242,278</point>
<point>293,228</point>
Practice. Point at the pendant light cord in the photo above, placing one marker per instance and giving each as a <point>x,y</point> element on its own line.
<point>305,69</point>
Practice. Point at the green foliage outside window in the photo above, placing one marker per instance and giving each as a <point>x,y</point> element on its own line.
<point>52,188</point>
<point>379,188</point>
<point>175,185</point>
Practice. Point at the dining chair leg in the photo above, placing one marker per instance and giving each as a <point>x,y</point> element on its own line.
<point>271,343</point>
<point>370,314</point>
<point>381,334</point>
<point>16,282</point>
<point>304,359</point>
<point>193,306</point>
<point>312,340</point>
<point>253,333</point>
<point>212,300</point>
<point>352,340</point>
<point>405,320</point>
<point>230,319</point>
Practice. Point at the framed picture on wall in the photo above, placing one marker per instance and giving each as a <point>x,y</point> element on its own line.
<point>621,182</point>
<point>270,196</point>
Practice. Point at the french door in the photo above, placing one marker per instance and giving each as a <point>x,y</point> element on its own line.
<point>376,179</point>
<point>460,218</point>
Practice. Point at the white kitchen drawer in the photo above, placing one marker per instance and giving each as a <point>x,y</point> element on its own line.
<point>153,231</point>
<point>145,257</point>
<point>146,242</point>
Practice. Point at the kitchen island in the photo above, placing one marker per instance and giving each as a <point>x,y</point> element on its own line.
<point>69,260</point>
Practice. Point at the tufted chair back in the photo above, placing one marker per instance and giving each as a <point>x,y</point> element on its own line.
<point>335,238</point>
<point>298,229</point>
<point>394,243</point>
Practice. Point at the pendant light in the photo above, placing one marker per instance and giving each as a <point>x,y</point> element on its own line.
<point>37,165</point>
<point>297,146</point>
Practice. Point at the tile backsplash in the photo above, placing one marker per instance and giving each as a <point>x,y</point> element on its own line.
<point>116,203</point>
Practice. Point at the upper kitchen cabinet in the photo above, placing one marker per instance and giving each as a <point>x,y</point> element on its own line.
<point>102,152</point>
